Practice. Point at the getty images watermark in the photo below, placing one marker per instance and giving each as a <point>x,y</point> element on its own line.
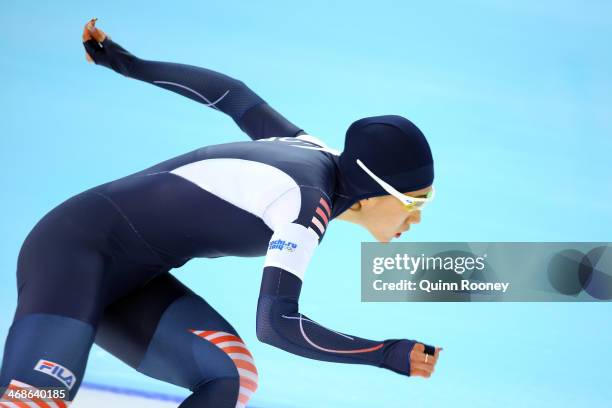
<point>466,272</point>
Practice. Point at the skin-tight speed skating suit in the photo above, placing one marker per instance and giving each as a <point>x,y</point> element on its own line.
<point>96,267</point>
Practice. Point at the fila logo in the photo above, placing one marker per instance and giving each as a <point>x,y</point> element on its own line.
<point>57,371</point>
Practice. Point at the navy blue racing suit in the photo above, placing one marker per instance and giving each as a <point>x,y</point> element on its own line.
<point>96,267</point>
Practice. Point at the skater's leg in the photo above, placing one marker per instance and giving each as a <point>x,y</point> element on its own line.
<point>167,332</point>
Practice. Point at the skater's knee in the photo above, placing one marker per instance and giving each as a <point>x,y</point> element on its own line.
<point>246,376</point>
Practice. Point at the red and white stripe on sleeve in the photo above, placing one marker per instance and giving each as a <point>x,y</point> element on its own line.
<point>320,218</point>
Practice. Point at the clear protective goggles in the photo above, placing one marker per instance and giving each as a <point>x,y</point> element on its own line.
<point>410,203</point>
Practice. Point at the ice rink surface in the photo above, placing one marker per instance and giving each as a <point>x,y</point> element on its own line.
<point>89,398</point>
<point>94,396</point>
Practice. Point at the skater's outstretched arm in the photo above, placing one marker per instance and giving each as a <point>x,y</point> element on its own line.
<point>213,89</point>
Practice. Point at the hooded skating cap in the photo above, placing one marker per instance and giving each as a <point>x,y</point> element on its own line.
<point>393,148</point>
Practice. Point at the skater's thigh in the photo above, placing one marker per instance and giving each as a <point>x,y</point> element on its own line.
<point>166,331</point>
<point>60,277</point>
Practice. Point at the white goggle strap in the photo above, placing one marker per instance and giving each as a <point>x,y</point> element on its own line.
<point>386,186</point>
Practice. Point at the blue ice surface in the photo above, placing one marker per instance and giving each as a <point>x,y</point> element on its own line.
<point>514,97</point>
<point>115,389</point>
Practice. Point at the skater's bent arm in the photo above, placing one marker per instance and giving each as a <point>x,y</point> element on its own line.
<point>213,89</point>
<point>281,324</point>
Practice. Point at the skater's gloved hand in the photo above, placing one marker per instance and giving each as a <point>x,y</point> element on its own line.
<point>408,357</point>
<point>102,50</point>
<point>91,32</point>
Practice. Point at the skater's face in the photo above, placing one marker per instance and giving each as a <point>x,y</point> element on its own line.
<point>386,217</point>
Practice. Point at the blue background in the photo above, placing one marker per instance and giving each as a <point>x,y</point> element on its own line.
<point>514,96</point>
